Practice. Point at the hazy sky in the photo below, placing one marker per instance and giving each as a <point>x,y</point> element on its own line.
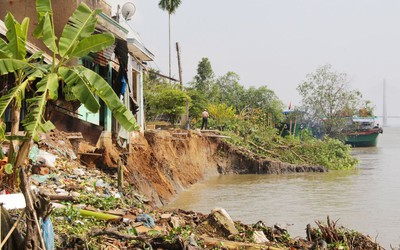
<point>278,42</point>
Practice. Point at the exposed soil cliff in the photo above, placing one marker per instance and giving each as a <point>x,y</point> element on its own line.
<point>163,163</point>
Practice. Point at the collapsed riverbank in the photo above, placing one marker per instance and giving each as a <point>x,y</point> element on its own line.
<point>163,163</point>
<point>160,164</point>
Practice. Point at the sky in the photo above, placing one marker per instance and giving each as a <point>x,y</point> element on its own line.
<point>276,43</point>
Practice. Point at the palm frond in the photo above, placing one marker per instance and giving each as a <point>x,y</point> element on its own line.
<point>169,5</point>
<point>81,24</point>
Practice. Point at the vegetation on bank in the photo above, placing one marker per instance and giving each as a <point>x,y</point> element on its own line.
<point>252,117</point>
<point>302,150</point>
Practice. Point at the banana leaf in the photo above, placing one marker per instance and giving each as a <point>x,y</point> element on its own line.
<point>15,93</point>
<point>81,24</point>
<point>77,86</point>
<point>4,52</point>
<point>45,27</point>
<point>34,122</point>
<point>16,36</point>
<point>9,65</point>
<point>107,94</point>
<point>93,43</point>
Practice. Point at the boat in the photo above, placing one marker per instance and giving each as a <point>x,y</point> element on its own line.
<point>363,132</point>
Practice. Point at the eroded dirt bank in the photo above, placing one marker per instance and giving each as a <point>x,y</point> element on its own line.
<point>163,163</point>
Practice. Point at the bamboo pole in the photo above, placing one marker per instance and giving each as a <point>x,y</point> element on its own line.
<point>98,215</point>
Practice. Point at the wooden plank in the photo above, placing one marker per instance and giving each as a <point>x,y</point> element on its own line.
<point>180,134</point>
<point>74,137</point>
<point>94,154</point>
<point>55,197</point>
<point>216,136</point>
<point>178,139</point>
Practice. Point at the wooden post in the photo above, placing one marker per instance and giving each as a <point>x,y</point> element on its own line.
<point>295,124</point>
<point>178,51</point>
<point>179,64</point>
<point>120,176</point>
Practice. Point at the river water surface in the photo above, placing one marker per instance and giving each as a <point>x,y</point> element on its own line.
<point>366,199</point>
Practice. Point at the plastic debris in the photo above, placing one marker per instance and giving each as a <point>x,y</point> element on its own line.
<point>100,183</point>
<point>47,159</point>
<point>44,178</point>
<point>38,156</point>
<point>13,201</point>
<point>78,172</point>
<point>34,153</point>
<point>48,234</point>
<point>147,220</point>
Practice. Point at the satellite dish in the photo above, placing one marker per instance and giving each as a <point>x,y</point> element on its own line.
<point>128,10</point>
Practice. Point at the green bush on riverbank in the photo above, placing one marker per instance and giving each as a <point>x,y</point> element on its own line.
<point>303,150</point>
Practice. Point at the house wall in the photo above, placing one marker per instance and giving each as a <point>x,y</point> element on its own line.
<point>62,10</point>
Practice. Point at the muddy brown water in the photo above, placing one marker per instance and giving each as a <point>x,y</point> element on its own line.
<point>366,199</point>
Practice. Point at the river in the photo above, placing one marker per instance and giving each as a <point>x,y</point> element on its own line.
<point>366,199</point>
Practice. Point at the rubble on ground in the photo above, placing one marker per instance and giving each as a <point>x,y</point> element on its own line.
<point>90,211</point>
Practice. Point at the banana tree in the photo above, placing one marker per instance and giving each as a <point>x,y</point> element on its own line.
<point>77,40</point>
<point>23,70</point>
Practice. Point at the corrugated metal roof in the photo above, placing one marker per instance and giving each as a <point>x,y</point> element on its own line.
<point>103,57</point>
<point>135,44</point>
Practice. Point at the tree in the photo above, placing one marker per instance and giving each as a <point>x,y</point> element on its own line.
<point>13,54</point>
<point>77,40</point>
<point>228,90</point>
<point>170,6</point>
<point>222,114</point>
<point>327,100</point>
<point>265,100</point>
<point>198,102</point>
<point>169,100</point>
<point>204,77</point>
